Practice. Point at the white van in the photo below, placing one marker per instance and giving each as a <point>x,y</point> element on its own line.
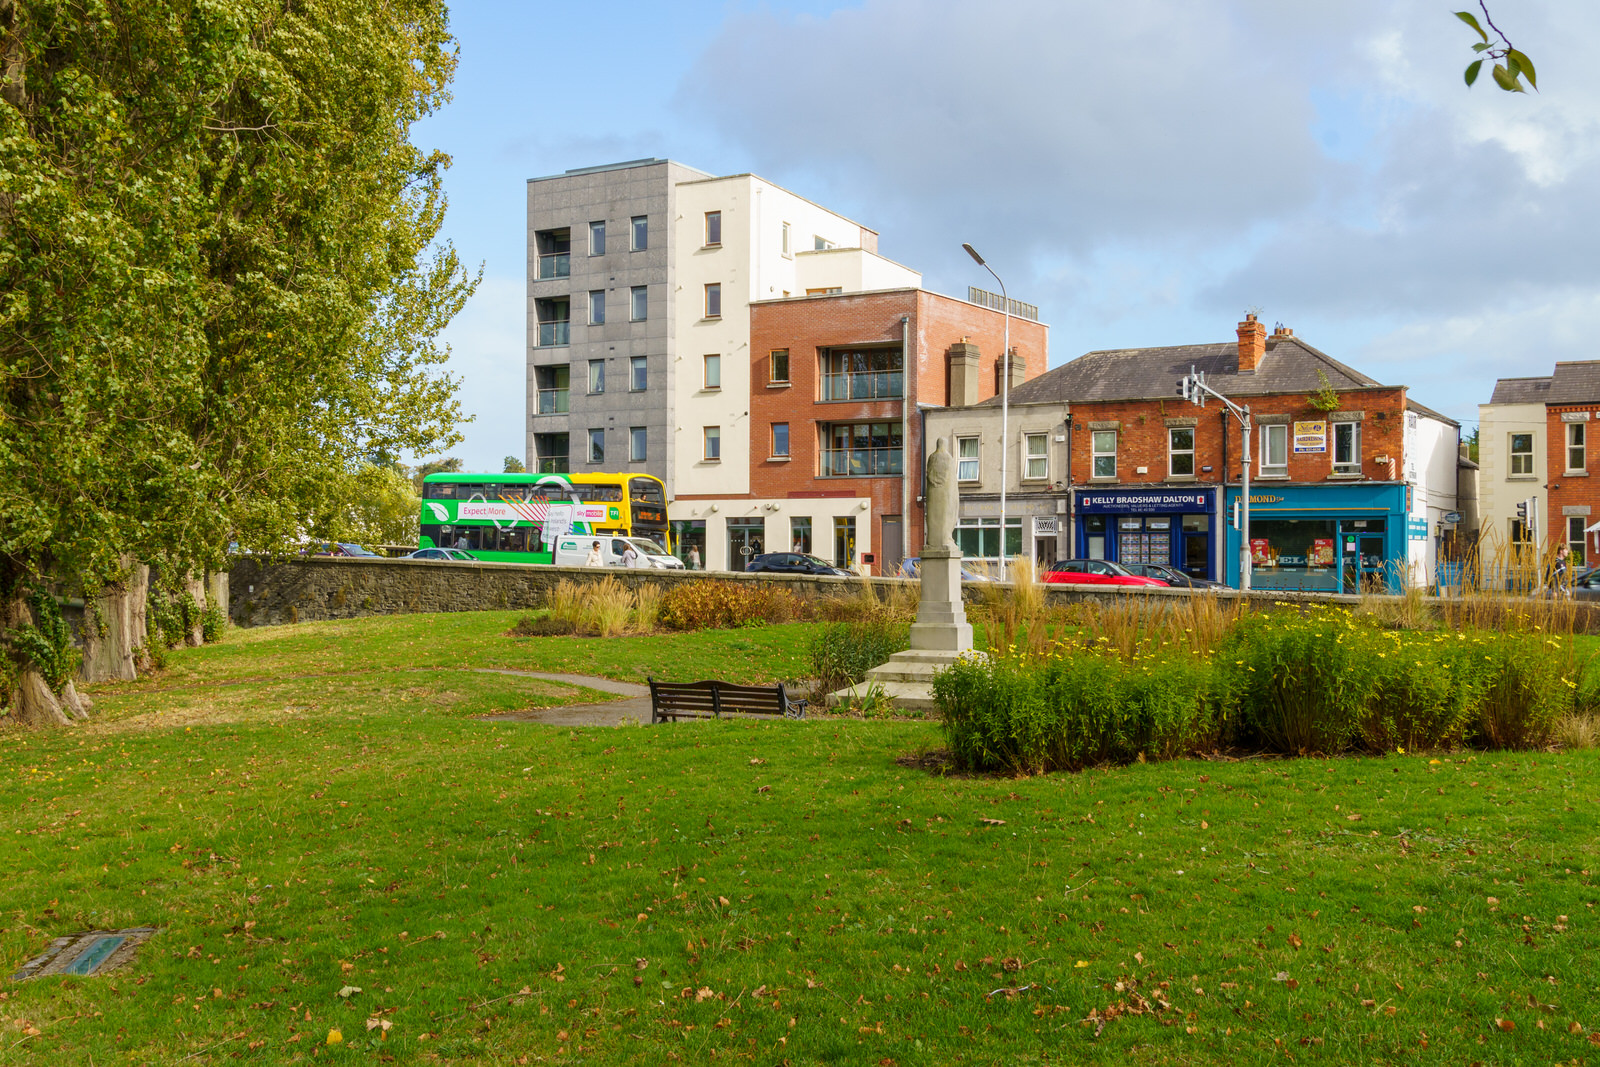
<point>573,551</point>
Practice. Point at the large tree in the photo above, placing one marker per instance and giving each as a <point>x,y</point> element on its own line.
<point>220,287</point>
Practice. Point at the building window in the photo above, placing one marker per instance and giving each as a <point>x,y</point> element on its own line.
<point>863,373</point>
<point>980,538</point>
<point>597,376</point>
<point>638,373</point>
<point>555,253</point>
<point>641,233</point>
<point>1035,456</point>
<point>830,290</point>
<point>785,245</point>
<point>780,439</point>
<point>713,372</point>
<point>800,535</point>
<point>778,367</point>
<point>1103,454</point>
<point>966,459</point>
<point>1575,542</point>
<point>1347,448</point>
<point>597,307</point>
<point>597,445</point>
<point>552,384</point>
<point>550,453</point>
<point>555,321</point>
<point>597,238</point>
<point>820,243</point>
<point>641,303</point>
<point>844,540</point>
<point>1522,454</point>
<point>713,227</point>
<point>858,449</point>
<point>1180,451</point>
<point>1575,458</point>
<point>1275,450</point>
<point>714,300</point>
<point>713,442</point>
<point>638,441</point>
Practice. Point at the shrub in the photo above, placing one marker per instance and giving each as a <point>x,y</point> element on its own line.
<point>841,653</point>
<point>1523,690</point>
<point>213,621</point>
<point>46,643</point>
<point>541,626</point>
<point>1078,709</point>
<point>1420,693</point>
<point>712,604</point>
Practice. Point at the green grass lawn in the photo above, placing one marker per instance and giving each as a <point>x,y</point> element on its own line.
<point>309,809</point>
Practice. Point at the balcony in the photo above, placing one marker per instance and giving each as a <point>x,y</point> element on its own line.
<point>862,462</point>
<point>555,265</point>
<point>870,385</point>
<point>557,333</point>
<point>553,401</point>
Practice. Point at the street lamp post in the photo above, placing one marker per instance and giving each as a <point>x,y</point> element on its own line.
<point>1193,388</point>
<point>1005,400</point>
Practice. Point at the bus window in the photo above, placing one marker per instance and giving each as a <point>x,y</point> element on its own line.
<point>439,491</point>
<point>647,490</point>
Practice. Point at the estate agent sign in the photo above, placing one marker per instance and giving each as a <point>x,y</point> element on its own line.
<point>1311,436</point>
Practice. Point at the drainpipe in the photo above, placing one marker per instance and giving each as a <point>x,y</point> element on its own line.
<point>1220,544</point>
<point>1072,512</point>
<point>905,438</point>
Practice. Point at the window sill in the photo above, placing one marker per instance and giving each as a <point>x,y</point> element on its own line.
<point>1183,478</point>
<point>1575,474</point>
<point>711,318</point>
<point>1522,477</point>
<point>712,244</point>
<point>1346,475</point>
<point>779,385</point>
<point>711,388</point>
<point>1110,479</point>
<point>638,320</point>
<point>711,459</point>
<point>1041,480</point>
<point>779,459</point>
<point>1275,476</point>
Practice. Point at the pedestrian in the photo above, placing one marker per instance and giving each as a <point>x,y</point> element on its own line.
<point>1562,587</point>
<point>694,557</point>
<point>461,541</point>
<point>595,559</point>
<point>630,555</point>
<point>799,547</point>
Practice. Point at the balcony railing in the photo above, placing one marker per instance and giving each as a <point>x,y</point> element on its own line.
<point>553,466</point>
<point>553,401</point>
<point>861,462</point>
<point>555,333</point>
<point>865,385</point>
<point>555,265</point>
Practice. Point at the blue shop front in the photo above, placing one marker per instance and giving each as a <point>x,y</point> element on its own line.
<point>1161,524</point>
<point>1322,538</point>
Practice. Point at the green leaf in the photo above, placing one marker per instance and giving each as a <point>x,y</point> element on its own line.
<point>1472,71</point>
<point>1505,79</point>
<point>1480,46</point>
<point>1472,20</point>
<point>1525,64</point>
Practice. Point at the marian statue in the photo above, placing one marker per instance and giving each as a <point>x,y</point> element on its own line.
<point>939,497</point>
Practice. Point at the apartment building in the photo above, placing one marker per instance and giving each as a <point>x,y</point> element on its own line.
<point>1351,480</point>
<point>640,280</point>
<point>1513,459</point>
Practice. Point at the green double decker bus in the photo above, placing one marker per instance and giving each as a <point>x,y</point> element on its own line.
<point>517,518</point>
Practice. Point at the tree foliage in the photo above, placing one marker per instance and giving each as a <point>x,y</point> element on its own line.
<point>514,466</point>
<point>220,288</point>
<point>219,282</point>
<point>1509,66</point>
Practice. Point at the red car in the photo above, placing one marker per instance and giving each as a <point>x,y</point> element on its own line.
<point>1094,572</point>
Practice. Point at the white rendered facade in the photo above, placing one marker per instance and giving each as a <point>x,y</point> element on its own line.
<point>1505,479</point>
<point>1432,451</point>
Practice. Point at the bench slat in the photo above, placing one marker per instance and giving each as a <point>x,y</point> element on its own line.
<point>711,699</point>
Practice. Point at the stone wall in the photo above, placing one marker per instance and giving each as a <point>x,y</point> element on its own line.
<point>268,592</point>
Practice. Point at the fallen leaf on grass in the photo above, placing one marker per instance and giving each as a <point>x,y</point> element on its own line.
<point>1506,1025</point>
<point>992,822</point>
<point>349,991</point>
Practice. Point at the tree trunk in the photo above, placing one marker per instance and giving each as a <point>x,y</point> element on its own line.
<point>32,702</point>
<point>74,704</point>
<point>109,639</point>
<point>217,588</point>
<point>138,616</point>
<point>195,589</point>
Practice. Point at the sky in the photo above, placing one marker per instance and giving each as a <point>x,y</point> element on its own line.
<point>1145,171</point>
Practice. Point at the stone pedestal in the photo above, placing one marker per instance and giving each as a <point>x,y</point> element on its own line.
<point>938,637</point>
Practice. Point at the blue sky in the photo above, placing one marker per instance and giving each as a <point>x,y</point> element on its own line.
<point>1144,172</point>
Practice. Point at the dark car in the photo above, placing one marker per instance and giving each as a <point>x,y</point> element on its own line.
<point>1094,572</point>
<point>793,563</point>
<point>1586,586</point>
<point>1171,575</point>
<point>911,567</point>
<point>342,548</point>
<point>457,555</point>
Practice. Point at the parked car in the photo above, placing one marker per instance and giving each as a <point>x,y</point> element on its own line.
<point>1171,575</point>
<point>793,563</point>
<point>456,554</point>
<point>340,548</point>
<point>1095,572</point>
<point>911,568</point>
<point>1586,586</point>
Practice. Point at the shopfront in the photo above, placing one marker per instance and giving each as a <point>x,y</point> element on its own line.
<point>1159,525</point>
<point>1323,538</point>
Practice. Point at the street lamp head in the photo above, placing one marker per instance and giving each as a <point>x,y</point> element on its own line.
<point>973,252</point>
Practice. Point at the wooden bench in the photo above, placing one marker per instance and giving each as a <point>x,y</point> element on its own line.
<point>670,701</point>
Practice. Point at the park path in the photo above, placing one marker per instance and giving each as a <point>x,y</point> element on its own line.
<point>634,705</point>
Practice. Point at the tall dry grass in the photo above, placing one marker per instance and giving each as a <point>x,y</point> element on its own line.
<point>1135,625</point>
<point>607,607</point>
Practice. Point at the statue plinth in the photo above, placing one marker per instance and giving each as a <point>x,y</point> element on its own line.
<point>942,615</point>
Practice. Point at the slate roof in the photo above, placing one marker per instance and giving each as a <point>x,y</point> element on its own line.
<point>1574,383</point>
<point>1521,391</point>
<point>1289,366</point>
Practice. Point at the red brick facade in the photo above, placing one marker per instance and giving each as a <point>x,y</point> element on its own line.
<point>804,327</point>
<point>1142,436</point>
<point>1573,493</point>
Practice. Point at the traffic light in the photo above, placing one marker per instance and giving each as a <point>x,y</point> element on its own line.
<point>1183,387</point>
<point>1522,510</point>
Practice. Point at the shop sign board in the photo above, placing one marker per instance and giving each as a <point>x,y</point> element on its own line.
<point>1140,502</point>
<point>1417,529</point>
<point>1311,436</point>
<point>1044,526</point>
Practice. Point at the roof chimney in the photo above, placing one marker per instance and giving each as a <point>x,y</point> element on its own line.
<point>1252,343</point>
